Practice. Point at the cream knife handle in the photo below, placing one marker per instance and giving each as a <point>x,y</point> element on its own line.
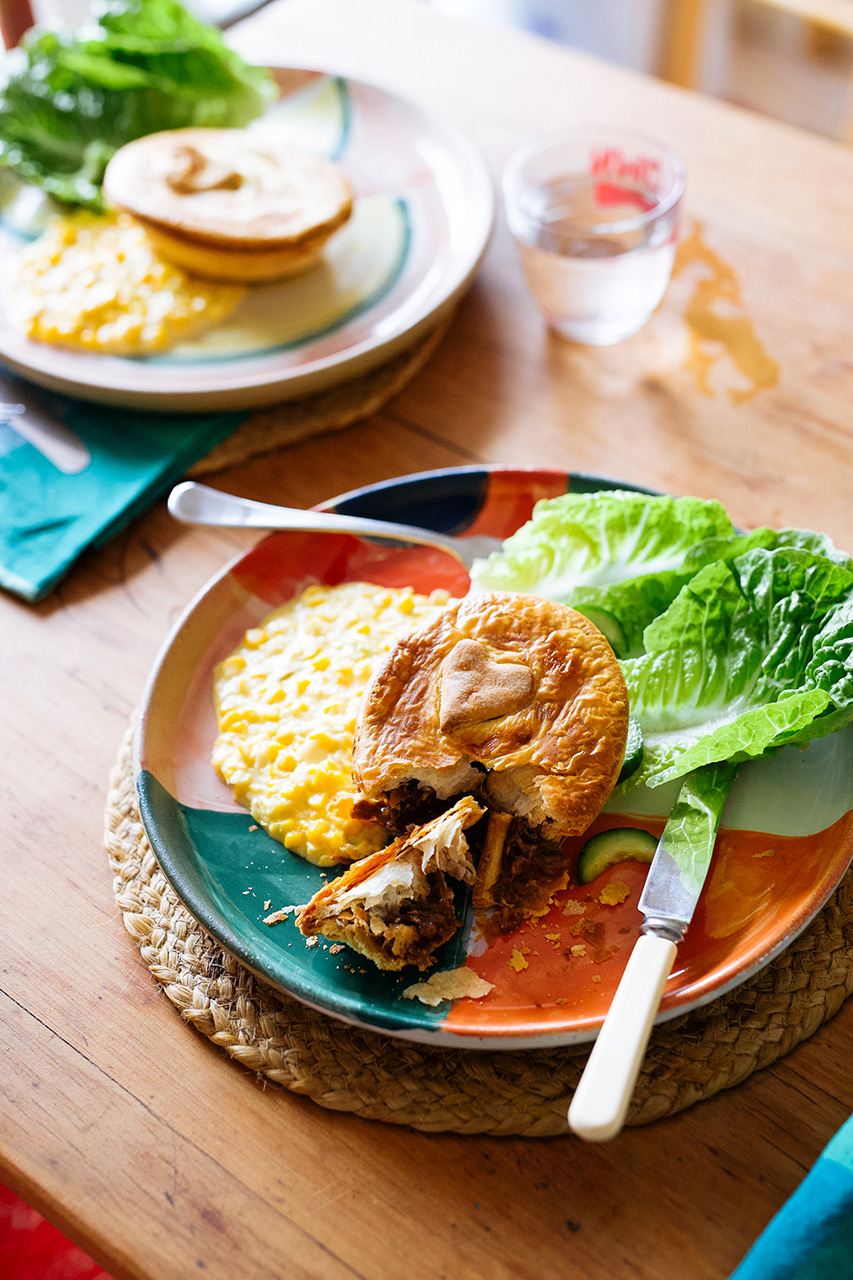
<point>601,1099</point>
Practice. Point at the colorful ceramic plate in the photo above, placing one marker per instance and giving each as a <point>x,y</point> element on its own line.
<point>422,219</point>
<point>787,835</point>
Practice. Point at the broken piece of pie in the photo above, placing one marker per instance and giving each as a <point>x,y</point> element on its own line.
<point>395,907</point>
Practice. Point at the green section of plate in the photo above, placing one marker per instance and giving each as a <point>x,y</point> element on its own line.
<point>313,304</point>
<point>228,868</point>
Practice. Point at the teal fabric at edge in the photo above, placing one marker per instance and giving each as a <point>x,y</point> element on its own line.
<point>73,474</point>
<point>811,1237</point>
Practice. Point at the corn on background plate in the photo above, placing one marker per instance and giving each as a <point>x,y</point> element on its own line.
<point>786,838</point>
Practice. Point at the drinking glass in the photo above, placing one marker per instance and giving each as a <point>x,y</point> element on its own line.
<point>595,216</point>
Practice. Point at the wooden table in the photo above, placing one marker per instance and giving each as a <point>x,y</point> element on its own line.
<point>139,1138</point>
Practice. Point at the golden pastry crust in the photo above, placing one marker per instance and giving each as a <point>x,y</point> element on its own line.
<point>229,189</point>
<point>552,741</point>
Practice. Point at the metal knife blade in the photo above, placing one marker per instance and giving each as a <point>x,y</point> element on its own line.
<point>683,857</point>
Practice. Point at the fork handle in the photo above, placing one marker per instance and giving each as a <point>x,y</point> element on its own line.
<point>198,504</point>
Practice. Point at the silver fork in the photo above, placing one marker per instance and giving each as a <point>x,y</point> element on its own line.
<point>198,504</point>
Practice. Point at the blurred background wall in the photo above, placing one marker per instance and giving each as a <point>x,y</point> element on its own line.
<point>791,59</point>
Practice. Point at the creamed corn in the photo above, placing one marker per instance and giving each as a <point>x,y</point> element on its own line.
<point>286,705</point>
<point>97,283</point>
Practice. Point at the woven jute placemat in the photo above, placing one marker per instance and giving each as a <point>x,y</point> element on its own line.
<point>331,410</point>
<point>462,1091</point>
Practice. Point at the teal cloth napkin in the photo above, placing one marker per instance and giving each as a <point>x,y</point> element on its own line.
<point>73,474</point>
<point>811,1237</point>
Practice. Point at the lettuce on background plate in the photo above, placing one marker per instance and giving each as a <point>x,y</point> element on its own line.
<point>69,100</point>
<point>749,657</point>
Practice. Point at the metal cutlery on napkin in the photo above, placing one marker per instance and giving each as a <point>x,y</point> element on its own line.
<point>198,504</point>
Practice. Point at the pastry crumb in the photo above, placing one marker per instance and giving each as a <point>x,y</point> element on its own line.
<point>279,915</point>
<point>578,950</point>
<point>517,960</point>
<point>765,853</point>
<point>614,893</point>
<point>573,908</point>
<point>596,977</point>
<point>450,984</point>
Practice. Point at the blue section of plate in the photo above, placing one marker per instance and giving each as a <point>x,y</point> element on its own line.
<point>447,506</point>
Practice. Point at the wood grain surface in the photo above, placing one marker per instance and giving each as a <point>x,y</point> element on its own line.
<point>155,1152</point>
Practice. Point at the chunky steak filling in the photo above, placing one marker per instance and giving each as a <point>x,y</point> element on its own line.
<point>412,930</point>
<point>519,868</point>
<point>409,805</point>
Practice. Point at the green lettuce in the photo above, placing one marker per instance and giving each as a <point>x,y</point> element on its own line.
<point>617,556</point>
<point>749,657</point>
<point>69,100</point>
<point>621,557</point>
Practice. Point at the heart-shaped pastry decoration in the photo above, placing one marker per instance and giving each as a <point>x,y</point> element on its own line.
<point>475,688</point>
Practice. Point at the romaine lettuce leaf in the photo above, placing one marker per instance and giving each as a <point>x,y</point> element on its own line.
<point>747,658</point>
<point>616,555</point>
<point>69,100</point>
<point>621,557</point>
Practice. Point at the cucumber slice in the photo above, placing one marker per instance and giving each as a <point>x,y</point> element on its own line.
<point>633,750</point>
<point>622,844</point>
<point>609,628</point>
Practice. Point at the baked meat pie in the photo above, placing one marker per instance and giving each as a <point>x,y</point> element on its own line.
<point>516,700</point>
<point>230,204</point>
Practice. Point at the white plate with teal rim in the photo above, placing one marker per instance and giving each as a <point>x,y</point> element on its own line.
<point>423,213</point>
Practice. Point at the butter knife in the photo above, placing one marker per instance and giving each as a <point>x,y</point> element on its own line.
<point>672,889</point>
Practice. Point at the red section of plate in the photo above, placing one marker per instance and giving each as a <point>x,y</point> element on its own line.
<point>568,964</point>
<point>284,563</point>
